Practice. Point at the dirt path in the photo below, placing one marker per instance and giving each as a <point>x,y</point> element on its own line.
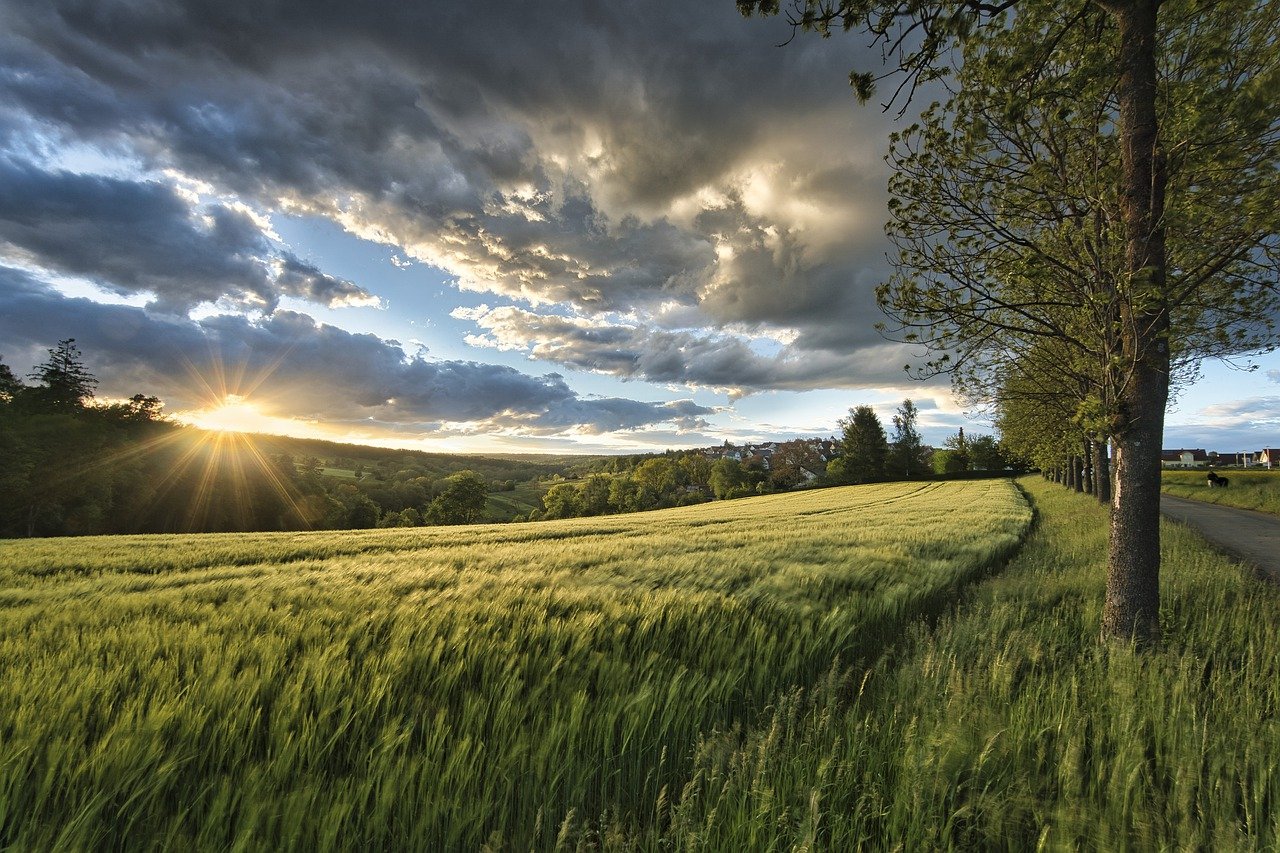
<point>1251,536</point>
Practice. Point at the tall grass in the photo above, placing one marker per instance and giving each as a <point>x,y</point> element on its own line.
<point>1009,726</point>
<point>1257,489</point>
<point>439,689</point>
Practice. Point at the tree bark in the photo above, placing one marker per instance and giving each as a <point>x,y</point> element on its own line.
<point>1132,608</point>
<point>1101,472</point>
<point>1086,468</point>
<point>1087,461</point>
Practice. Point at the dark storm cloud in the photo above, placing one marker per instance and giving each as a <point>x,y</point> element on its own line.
<point>618,157</point>
<point>289,365</point>
<point>142,237</point>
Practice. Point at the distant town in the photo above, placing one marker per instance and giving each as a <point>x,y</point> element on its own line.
<point>1200,458</point>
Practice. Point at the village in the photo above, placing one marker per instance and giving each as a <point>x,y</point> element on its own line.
<point>1268,458</point>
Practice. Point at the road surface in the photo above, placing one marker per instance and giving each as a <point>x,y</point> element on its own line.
<point>1248,535</point>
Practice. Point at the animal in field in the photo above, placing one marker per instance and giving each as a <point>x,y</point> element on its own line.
<point>1217,482</point>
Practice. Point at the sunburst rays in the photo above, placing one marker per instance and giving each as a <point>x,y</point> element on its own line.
<point>211,473</point>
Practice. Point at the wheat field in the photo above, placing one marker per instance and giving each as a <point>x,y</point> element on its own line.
<point>509,686</point>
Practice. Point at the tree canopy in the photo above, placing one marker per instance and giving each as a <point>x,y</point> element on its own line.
<point>866,449</point>
<point>1113,120</point>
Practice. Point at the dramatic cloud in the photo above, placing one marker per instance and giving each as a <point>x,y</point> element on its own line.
<point>723,362</point>
<point>291,366</point>
<point>1254,412</point>
<point>142,237</point>
<point>634,158</point>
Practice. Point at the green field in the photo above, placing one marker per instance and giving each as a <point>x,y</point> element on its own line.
<point>1250,489</point>
<point>521,500</point>
<point>448,688</point>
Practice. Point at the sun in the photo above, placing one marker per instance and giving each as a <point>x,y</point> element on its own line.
<point>233,414</point>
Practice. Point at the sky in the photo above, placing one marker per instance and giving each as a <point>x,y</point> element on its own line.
<point>566,227</point>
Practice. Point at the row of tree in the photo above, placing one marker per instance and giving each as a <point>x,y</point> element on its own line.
<point>1093,211</point>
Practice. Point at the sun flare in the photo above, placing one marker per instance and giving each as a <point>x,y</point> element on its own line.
<point>233,414</point>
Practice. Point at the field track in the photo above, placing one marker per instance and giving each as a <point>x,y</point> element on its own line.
<point>1249,535</point>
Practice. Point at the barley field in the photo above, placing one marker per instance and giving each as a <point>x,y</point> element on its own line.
<point>497,686</point>
<point>1005,725</point>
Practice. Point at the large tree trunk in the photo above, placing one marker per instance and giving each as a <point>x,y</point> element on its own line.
<point>1132,609</point>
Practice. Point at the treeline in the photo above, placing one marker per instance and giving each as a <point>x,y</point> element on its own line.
<point>678,478</point>
<point>386,464</point>
<point>864,454</point>
<point>72,465</point>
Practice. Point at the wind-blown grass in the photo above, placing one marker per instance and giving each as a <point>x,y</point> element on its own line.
<point>1257,489</point>
<point>1009,726</point>
<point>445,688</point>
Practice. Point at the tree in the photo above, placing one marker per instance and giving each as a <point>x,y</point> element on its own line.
<point>562,500</point>
<point>959,447</point>
<point>697,469</point>
<point>726,478</point>
<point>10,385</point>
<point>595,495</point>
<point>985,454</point>
<point>358,510</point>
<point>139,408</point>
<point>65,383</point>
<point>624,494</point>
<point>866,450</point>
<point>920,35</point>
<point>907,447</point>
<point>462,500</point>
<point>789,463</point>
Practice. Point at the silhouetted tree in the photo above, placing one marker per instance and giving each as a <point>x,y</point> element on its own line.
<point>65,383</point>
<point>9,384</point>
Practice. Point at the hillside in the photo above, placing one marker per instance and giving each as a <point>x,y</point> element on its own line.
<point>494,466</point>
<point>440,688</point>
<point>119,469</point>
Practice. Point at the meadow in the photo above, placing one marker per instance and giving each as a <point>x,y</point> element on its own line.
<point>515,686</point>
<point>1250,489</point>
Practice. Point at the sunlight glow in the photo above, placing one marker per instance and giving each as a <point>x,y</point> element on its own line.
<point>233,414</point>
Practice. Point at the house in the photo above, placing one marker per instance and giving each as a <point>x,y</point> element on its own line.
<point>1231,460</point>
<point>1183,458</point>
<point>1269,457</point>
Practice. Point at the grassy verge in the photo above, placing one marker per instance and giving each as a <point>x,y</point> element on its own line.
<point>1008,726</point>
<point>1258,490</point>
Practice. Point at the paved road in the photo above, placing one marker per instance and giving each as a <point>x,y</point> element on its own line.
<point>1251,536</point>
